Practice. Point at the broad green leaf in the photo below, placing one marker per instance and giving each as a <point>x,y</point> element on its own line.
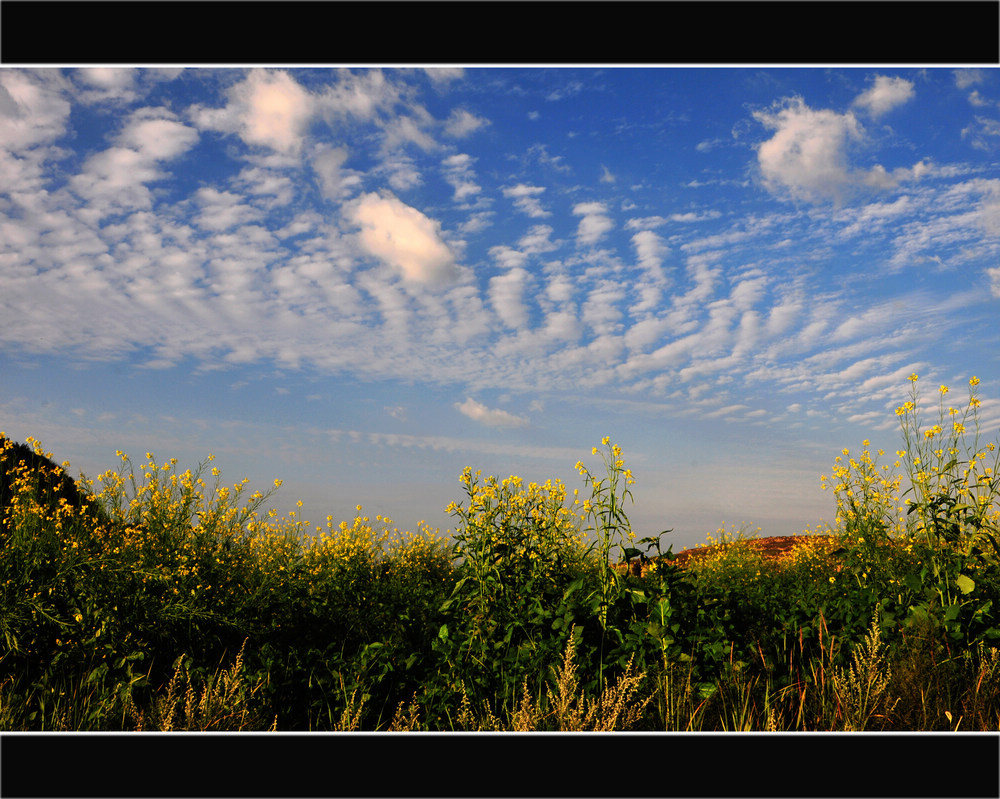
<point>965,584</point>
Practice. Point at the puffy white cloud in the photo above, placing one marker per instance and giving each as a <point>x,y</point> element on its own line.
<point>984,134</point>
<point>222,210</point>
<point>404,238</point>
<point>886,93</point>
<point>114,85</point>
<point>335,181</point>
<point>994,276</point>
<point>492,417</point>
<point>594,224</point>
<point>506,296</point>
<point>650,250</point>
<point>462,123</point>
<point>526,199</point>
<point>117,177</point>
<point>964,78</point>
<point>403,130</point>
<point>600,310</point>
<point>807,156</point>
<point>32,111</point>
<point>267,109</point>
<point>157,135</point>
<point>537,240</point>
<point>443,76</point>
<point>361,96</point>
<point>508,257</point>
<point>458,172</point>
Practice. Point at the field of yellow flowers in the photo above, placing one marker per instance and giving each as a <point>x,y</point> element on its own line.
<point>156,599</point>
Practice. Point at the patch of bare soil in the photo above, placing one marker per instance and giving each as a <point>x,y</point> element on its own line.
<point>775,547</point>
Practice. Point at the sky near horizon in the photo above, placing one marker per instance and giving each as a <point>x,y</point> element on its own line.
<point>361,280</point>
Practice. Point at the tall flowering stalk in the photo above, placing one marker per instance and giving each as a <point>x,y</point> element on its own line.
<point>953,478</point>
<point>606,512</point>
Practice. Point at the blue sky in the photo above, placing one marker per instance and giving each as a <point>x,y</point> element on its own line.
<point>361,280</point>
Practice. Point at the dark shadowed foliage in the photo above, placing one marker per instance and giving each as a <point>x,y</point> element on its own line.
<point>50,482</point>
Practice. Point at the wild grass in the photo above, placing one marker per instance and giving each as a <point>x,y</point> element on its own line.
<point>167,600</point>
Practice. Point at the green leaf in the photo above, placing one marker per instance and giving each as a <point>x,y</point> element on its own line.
<point>443,632</point>
<point>965,584</point>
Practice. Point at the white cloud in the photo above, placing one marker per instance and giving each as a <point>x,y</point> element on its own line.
<point>693,216</point>
<point>270,186</point>
<point>537,240</point>
<point>650,250</point>
<point>506,296</point>
<point>117,177</point>
<point>115,85</point>
<point>222,210</point>
<point>404,238</point>
<point>886,94</point>
<point>645,223</point>
<point>458,172</point>
<point>782,316</point>
<point>994,276</point>
<point>335,181</point>
<point>976,99</point>
<point>984,134</point>
<point>267,109</point>
<point>964,78</point>
<point>109,78</point>
<point>32,111</point>
<point>508,257</point>
<point>492,417</point>
<point>462,123</point>
<point>526,199</point>
<point>594,224</point>
<point>402,171</point>
<point>157,135</point>
<point>443,76</point>
<point>600,310</point>
<point>807,156</point>
<point>359,95</point>
<point>403,130</point>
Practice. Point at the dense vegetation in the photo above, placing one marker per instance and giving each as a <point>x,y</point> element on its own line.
<point>158,600</point>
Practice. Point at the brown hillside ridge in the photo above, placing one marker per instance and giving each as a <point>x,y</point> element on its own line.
<point>775,547</point>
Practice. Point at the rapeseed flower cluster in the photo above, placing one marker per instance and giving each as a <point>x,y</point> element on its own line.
<point>512,525</point>
<point>952,490</point>
<point>867,494</point>
<point>949,466</point>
